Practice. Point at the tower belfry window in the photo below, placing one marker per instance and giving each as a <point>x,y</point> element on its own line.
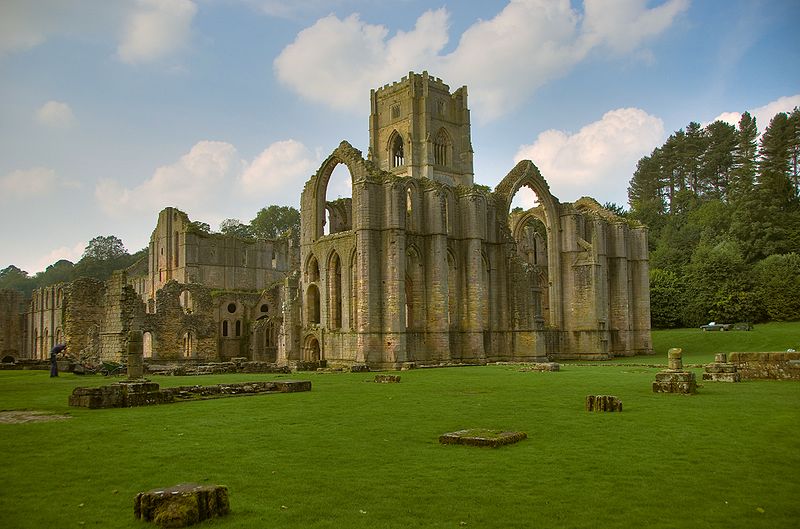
<point>395,111</point>
<point>398,159</point>
<point>440,148</point>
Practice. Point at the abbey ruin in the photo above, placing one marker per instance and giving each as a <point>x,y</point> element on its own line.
<point>420,266</point>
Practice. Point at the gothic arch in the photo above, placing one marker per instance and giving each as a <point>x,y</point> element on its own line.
<point>442,148</point>
<point>317,186</point>
<point>415,289</point>
<point>334,285</point>
<point>395,150</point>
<point>525,173</point>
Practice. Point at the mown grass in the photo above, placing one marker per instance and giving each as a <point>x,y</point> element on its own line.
<point>699,346</point>
<point>352,453</point>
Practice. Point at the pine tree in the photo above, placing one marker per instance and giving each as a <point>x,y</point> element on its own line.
<point>743,175</point>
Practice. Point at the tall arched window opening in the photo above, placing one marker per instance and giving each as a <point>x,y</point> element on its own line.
<point>398,158</point>
<point>312,305</point>
<point>335,292</point>
<point>441,146</point>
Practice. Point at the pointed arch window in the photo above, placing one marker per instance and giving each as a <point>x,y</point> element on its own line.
<point>441,147</point>
<point>398,158</point>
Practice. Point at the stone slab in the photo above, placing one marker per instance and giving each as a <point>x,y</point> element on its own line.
<point>181,505</point>
<point>482,437</point>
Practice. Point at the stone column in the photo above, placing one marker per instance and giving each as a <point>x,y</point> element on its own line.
<point>675,360</point>
<point>135,354</point>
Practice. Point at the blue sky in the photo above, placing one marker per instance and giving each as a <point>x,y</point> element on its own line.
<point>110,111</point>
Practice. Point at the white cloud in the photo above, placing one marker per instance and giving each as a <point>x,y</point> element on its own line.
<point>55,114</point>
<point>597,160</point>
<point>209,178</point>
<point>155,29</point>
<point>72,254</point>
<point>336,62</point>
<point>504,59</point>
<point>623,25</point>
<point>25,183</point>
<point>191,183</point>
<point>763,114</point>
<point>284,163</point>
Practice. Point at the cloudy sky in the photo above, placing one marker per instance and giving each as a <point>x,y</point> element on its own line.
<point>111,111</point>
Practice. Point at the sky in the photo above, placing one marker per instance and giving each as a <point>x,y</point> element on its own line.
<point>111,111</point>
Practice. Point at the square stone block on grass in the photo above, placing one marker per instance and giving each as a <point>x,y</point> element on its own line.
<point>181,505</point>
<point>482,437</point>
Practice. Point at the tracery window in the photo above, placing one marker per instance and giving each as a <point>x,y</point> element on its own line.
<point>440,148</point>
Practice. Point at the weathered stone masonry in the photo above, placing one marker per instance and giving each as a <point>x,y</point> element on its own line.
<point>419,266</point>
<point>426,267</point>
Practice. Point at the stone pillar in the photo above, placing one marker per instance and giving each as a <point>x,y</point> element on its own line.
<point>135,354</point>
<point>675,360</point>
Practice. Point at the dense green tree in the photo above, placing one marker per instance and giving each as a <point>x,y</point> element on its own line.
<point>743,173</point>
<point>59,272</point>
<point>273,221</point>
<point>777,280</point>
<point>13,278</point>
<point>717,161</point>
<point>234,228</point>
<point>104,247</point>
<point>667,298</point>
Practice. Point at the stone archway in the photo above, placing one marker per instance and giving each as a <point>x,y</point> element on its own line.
<point>525,173</point>
<point>314,202</point>
<point>311,349</point>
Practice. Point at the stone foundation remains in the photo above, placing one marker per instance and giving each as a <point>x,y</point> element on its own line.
<point>767,366</point>
<point>482,437</point>
<point>674,379</point>
<point>542,366</point>
<point>387,379</point>
<point>721,370</point>
<point>128,394</point>
<point>181,505</point>
<point>603,403</point>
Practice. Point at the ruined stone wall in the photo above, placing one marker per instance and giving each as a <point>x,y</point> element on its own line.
<point>12,324</point>
<point>181,330</point>
<point>83,316</point>
<point>179,251</point>
<point>767,366</point>
<point>45,320</point>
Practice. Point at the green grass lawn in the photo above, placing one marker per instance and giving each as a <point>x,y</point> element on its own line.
<point>355,454</point>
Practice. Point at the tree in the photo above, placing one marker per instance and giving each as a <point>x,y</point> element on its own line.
<point>743,173</point>
<point>667,298</point>
<point>13,278</point>
<point>104,247</point>
<point>59,272</point>
<point>717,161</point>
<point>234,228</point>
<point>777,281</point>
<point>273,221</point>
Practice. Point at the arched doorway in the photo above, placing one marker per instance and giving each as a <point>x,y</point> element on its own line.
<point>311,350</point>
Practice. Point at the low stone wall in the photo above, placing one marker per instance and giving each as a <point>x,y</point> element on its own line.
<point>129,393</point>
<point>769,366</point>
<point>215,368</point>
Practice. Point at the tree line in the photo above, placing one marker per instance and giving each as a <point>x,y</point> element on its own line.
<point>723,210</point>
<point>106,253</point>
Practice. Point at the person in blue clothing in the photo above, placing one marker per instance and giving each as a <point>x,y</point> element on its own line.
<point>53,358</point>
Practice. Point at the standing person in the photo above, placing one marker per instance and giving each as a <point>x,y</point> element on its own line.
<point>53,360</point>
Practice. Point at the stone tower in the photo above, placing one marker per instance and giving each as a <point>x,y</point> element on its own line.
<point>418,128</point>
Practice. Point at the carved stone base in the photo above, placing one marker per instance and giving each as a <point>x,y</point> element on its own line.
<point>675,382</point>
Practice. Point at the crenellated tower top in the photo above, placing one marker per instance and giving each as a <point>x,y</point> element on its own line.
<point>418,128</point>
